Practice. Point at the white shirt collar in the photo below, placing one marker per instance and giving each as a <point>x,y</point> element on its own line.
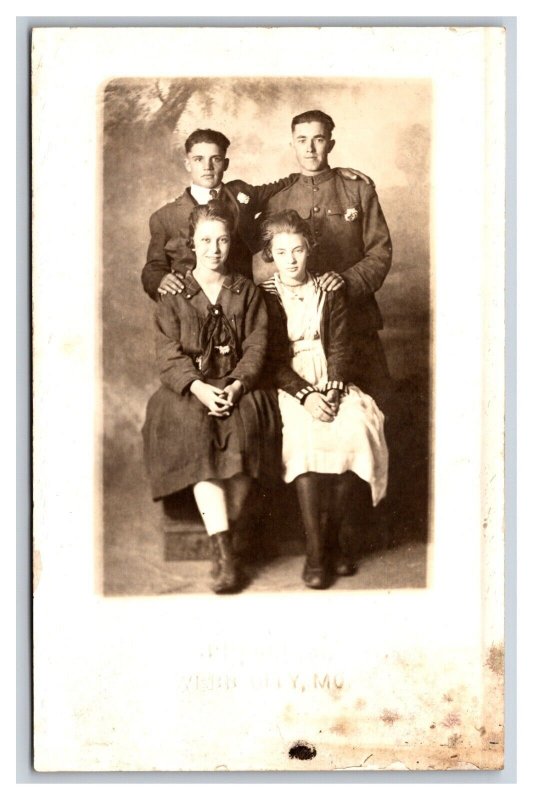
<point>202,195</point>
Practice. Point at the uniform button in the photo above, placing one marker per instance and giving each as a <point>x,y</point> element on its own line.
<point>316,209</point>
<point>187,295</point>
<point>315,188</point>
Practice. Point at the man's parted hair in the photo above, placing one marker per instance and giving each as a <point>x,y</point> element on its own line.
<point>288,221</point>
<point>209,136</point>
<point>314,116</point>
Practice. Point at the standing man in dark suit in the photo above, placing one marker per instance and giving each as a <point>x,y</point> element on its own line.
<point>206,162</point>
<point>351,242</point>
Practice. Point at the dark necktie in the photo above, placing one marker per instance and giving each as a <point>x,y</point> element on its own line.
<point>213,194</point>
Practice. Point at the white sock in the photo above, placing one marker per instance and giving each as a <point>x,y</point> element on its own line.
<point>211,501</point>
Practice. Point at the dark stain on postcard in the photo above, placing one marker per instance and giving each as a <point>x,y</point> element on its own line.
<point>303,751</point>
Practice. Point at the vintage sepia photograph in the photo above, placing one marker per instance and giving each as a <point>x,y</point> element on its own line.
<point>268,341</point>
<point>340,169</point>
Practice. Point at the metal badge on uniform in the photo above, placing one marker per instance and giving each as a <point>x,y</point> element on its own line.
<point>351,214</point>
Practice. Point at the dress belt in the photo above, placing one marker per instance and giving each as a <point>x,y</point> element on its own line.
<point>305,344</point>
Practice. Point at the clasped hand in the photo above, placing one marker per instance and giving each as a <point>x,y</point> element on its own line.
<point>323,408</point>
<point>219,402</point>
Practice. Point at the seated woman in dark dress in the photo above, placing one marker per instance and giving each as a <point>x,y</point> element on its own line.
<point>207,426</point>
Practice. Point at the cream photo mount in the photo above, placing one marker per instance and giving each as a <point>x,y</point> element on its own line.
<point>403,679</point>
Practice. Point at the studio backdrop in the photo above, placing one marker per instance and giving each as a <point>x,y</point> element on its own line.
<point>382,128</point>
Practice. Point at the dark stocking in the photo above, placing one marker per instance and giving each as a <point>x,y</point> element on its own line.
<point>341,499</point>
<point>352,527</point>
<point>310,488</point>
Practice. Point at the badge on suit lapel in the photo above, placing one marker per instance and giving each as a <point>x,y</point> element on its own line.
<point>243,198</point>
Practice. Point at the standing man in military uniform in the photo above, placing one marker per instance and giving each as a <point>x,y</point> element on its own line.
<point>351,242</point>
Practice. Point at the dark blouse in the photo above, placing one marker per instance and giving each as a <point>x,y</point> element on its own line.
<point>334,334</point>
<point>179,319</point>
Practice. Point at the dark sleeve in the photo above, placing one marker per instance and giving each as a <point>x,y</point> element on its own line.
<point>260,195</point>
<point>176,369</point>
<point>278,370</point>
<point>157,264</point>
<point>367,275</point>
<point>338,339</point>
<point>254,343</point>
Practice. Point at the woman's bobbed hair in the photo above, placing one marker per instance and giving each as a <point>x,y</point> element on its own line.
<point>214,211</point>
<point>288,221</point>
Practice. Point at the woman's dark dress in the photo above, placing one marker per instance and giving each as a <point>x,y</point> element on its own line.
<point>182,443</point>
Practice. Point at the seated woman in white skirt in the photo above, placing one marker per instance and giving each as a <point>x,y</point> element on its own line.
<point>333,433</point>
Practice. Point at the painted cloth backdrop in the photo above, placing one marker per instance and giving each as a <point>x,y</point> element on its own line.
<point>383,128</point>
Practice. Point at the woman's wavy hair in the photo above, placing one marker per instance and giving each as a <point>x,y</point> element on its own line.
<point>288,221</point>
<point>213,211</point>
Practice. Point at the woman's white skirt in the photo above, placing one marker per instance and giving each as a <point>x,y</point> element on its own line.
<point>354,440</point>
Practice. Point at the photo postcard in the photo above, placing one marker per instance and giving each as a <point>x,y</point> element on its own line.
<point>268,337</point>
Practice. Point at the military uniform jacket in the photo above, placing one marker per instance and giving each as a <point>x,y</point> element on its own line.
<point>169,230</point>
<point>350,236</point>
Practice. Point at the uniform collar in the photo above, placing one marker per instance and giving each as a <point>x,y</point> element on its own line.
<point>232,281</point>
<point>314,180</point>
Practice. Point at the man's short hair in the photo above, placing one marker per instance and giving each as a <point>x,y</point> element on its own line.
<point>314,116</point>
<point>209,136</point>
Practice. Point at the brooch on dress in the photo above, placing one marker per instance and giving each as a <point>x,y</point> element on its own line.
<point>350,214</point>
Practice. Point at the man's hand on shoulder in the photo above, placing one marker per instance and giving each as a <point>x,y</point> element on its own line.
<point>171,284</point>
<point>354,175</point>
<point>331,281</point>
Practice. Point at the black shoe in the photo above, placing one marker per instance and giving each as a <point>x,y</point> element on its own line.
<point>315,577</point>
<point>343,566</point>
<point>227,580</point>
